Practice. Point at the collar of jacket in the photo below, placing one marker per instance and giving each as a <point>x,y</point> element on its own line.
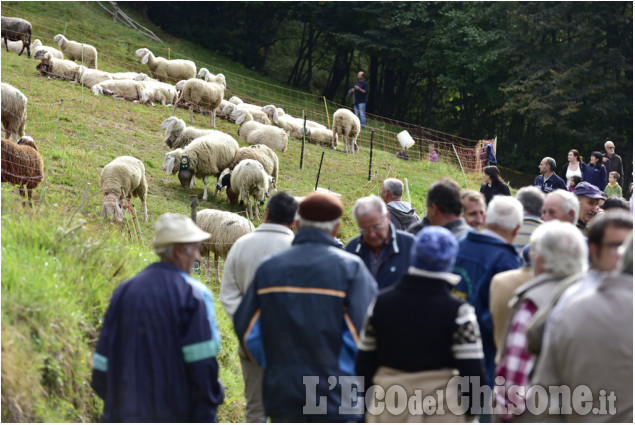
<point>451,278</point>
<point>475,236</point>
<point>393,233</point>
<point>273,227</point>
<point>313,235</point>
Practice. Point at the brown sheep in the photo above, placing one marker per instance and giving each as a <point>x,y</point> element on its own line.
<point>22,164</point>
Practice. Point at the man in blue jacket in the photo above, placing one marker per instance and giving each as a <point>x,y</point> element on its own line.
<point>156,355</point>
<point>301,317</point>
<point>548,180</point>
<point>384,249</point>
<point>360,90</point>
<point>480,257</point>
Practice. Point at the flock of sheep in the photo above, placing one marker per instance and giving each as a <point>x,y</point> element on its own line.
<point>249,173</point>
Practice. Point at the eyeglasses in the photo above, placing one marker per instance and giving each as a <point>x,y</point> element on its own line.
<point>610,147</point>
<point>374,228</point>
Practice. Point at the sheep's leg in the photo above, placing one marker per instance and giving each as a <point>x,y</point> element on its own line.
<point>145,210</point>
<point>217,268</point>
<point>205,190</point>
<point>212,118</point>
<point>257,207</point>
<point>207,266</point>
<point>6,44</point>
<point>176,104</point>
<point>192,114</point>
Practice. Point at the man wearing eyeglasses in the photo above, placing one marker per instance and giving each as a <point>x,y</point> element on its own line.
<point>384,249</point>
<point>613,162</point>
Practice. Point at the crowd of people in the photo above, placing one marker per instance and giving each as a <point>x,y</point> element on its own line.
<point>489,298</point>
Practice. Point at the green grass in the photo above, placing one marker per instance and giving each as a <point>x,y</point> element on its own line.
<point>60,264</point>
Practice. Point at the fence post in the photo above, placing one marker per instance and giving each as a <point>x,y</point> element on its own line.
<point>326,108</point>
<point>370,162</point>
<point>114,16</point>
<point>303,139</point>
<point>319,170</point>
<point>459,159</point>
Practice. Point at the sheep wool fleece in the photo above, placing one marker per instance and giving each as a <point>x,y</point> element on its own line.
<point>155,358</point>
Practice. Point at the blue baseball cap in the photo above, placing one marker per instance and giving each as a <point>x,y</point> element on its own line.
<point>589,190</point>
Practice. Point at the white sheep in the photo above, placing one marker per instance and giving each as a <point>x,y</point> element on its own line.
<point>179,135</point>
<point>120,89</point>
<point>14,46</point>
<point>287,122</point>
<point>232,112</point>
<point>248,180</point>
<point>235,100</point>
<point>167,71</point>
<point>75,51</point>
<point>13,105</point>
<point>317,136</point>
<point>137,76</point>
<point>206,95</point>
<point>37,46</point>
<point>124,176</point>
<point>207,76</point>
<point>255,133</point>
<point>206,156</point>
<point>158,92</point>
<point>225,228</point>
<point>261,153</point>
<point>89,77</point>
<point>346,126</point>
<point>60,68</point>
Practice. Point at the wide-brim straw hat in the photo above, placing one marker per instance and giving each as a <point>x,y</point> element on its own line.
<point>173,228</point>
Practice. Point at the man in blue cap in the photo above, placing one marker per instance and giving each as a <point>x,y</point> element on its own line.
<point>589,197</point>
<point>416,334</point>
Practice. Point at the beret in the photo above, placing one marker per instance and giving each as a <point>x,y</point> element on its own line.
<point>319,206</point>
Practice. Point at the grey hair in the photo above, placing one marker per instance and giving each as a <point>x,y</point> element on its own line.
<point>568,202</point>
<point>626,262</point>
<point>327,226</point>
<point>370,203</point>
<point>532,199</point>
<point>563,249</point>
<point>165,251</point>
<point>394,186</point>
<point>551,163</point>
<point>504,212</point>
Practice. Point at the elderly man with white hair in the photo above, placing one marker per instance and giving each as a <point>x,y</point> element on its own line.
<point>561,205</point>
<point>159,339</point>
<point>557,251</point>
<point>480,257</point>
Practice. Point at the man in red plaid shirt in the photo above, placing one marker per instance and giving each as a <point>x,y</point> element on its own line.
<point>557,251</point>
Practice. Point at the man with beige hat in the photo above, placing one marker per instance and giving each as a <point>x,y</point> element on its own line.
<point>156,355</point>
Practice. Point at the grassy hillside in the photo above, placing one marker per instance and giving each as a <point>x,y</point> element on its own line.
<point>61,260</point>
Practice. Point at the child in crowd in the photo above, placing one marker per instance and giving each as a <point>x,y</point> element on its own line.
<point>432,154</point>
<point>575,180</point>
<point>613,188</point>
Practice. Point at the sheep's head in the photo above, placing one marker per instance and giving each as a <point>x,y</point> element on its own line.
<point>223,180</point>
<point>59,39</point>
<point>228,109</point>
<point>141,77</point>
<point>272,111</point>
<point>171,160</point>
<point>112,207</point>
<point>180,85</point>
<point>36,43</point>
<point>27,141</point>
<point>144,96</point>
<point>244,118</point>
<point>203,74</point>
<point>235,100</point>
<point>42,55</point>
<point>96,88</point>
<point>302,131</point>
<point>220,79</point>
<point>141,52</point>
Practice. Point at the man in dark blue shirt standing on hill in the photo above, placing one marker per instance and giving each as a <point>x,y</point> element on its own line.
<point>360,90</point>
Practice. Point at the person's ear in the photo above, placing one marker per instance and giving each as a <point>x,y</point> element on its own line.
<point>335,229</point>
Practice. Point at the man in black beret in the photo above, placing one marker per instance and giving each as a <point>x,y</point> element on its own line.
<point>301,317</point>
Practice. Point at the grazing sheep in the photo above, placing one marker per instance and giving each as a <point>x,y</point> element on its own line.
<point>13,106</point>
<point>167,71</point>
<point>37,46</point>
<point>317,136</point>
<point>225,228</point>
<point>287,122</point>
<point>75,51</point>
<point>14,29</point>
<point>158,92</point>
<point>180,135</point>
<point>22,164</point>
<point>248,180</point>
<point>255,133</point>
<point>60,68</point>
<point>261,153</point>
<point>232,112</point>
<point>206,95</point>
<point>207,156</point>
<point>347,127</point>
<point>89,77</point>
<point>124,175</point>
<point>207,76</point>
<point>14,46</point>
<point>120,89</point>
